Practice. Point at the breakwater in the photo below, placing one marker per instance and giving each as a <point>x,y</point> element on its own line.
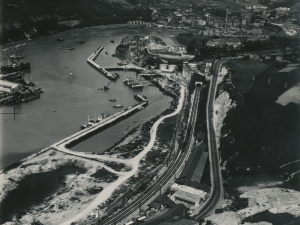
<point>96,127</point>
<point>91,60</point>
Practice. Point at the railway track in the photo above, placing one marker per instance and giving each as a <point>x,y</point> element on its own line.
<point>163,182</point>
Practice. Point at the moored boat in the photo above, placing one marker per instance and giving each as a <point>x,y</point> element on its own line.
<point>118,106</point>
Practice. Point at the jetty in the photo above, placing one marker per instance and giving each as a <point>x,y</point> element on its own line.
<point>81,135</point>
<point>91,60</point>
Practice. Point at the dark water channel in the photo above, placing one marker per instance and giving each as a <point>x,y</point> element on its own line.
<point>33,190</point>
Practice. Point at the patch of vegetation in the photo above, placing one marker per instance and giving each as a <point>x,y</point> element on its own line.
<point>94,190</point>
<point>104,176</point>
<point>117,166</point>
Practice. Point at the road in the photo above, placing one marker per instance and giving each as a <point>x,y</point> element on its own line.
<point>165,181</point>
<point>216,191</point>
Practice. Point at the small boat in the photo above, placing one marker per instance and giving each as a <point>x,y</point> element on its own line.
<point>125,132</point>
<point>112,41</point>
<point>106,53</point>
<point>83,126</point>
<point>117,106</point>
<point>80,42</point>
<point>135,121</point>
<point>122,63</point>
<point>60,39</point>
<point>30,97</point>
<point>112,100</point>
<point>116,74</point>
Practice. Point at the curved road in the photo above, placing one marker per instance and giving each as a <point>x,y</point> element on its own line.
<point>163,182</point>
<point>216,192</point>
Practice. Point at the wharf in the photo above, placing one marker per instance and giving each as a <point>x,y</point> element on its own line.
<point>83,134</point>
<point>91,59</point>
<point>126,68</point>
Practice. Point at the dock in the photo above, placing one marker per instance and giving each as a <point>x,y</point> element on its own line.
<point>91,60</point>
<point>81,135</point>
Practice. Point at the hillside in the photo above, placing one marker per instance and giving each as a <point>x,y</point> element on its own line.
<point>20,18</point>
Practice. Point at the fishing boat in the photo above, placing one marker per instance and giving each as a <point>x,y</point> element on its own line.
<point>83,126</point>
<point>140,98</point>
<point>67,48</point>
<point>117,106</point>
<point>136,84</point>
<point>99,119</point>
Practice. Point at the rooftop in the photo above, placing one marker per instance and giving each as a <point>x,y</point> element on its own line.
<point>188,190</point>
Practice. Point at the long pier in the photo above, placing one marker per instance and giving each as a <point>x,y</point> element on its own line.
<point>91,60</point>
<point>87,132</point>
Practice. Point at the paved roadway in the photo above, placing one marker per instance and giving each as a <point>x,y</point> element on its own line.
<point>216,191</point>
<point>163,182</point>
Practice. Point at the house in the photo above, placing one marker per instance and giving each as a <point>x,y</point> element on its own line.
<point>256,30</point>
<point>210,22</point>
<point>256,57</point>
<point>236,23</point>
<point>201,22</point>
<point>241,56</point>
<point>244,22</point>
<point>279,58</point>
<point>216,43</point>
<point>209,63</point>
<point>267,57</point>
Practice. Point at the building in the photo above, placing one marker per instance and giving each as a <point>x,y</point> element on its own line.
<point>217,43</point>
<point>10,87</point>
<point>279,58</point>
<point>168,70</point>
<point>188,196</point>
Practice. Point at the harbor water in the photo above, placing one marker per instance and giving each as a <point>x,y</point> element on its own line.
<point>71,94</point>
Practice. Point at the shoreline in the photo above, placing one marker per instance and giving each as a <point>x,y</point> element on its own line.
<point>42,153</point>
<point>15,169</point>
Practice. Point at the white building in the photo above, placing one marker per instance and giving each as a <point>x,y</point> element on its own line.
<point>168,70</point>
<point>190,197</point>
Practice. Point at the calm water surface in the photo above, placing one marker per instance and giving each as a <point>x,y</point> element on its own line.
<point>69,100</point>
